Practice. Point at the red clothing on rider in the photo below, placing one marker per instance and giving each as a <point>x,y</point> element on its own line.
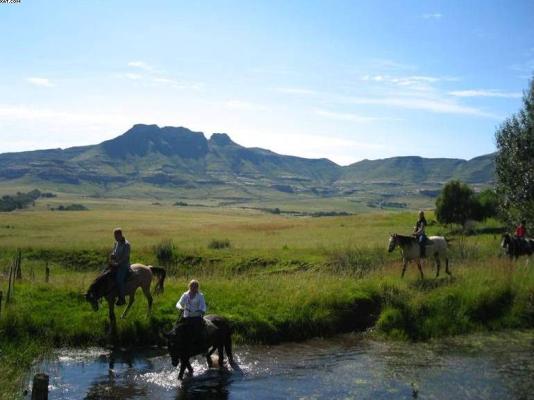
<point>520,232</point>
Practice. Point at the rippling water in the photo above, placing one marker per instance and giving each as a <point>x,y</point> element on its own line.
<point>346,367</point>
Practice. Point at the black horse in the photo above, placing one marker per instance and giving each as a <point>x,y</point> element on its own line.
<point>516,247</point>
<point>219,337</point>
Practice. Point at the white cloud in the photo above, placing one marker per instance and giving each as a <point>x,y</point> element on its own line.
<point>435,15</point>
<point>416,82</point>
<point>485,93</point>
<point>24,112</point>
<point>244,105</point>
<point>344,116</point>
<point>421,103</point>
<point>296,91</point>
<point>132,76</point>
<point>141,65</point>
<point>43,82</point>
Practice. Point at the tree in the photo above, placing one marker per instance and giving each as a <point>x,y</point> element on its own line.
<point>487,205</point>
<point>515,162</point>
<point>456,204</point>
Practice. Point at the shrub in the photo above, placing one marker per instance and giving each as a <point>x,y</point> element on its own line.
<point>219,244</point>
<point>165,252</point>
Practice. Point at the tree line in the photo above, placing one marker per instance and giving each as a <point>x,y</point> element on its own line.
<point>512,200</point>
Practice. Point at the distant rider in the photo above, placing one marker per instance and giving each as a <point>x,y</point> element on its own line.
<point>521,234</point>
<point>120,261</point>
<point>521,230</point>
<point>193,307</point>
<point>419,232</point>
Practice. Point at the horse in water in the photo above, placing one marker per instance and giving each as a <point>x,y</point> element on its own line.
<point>218,337</point>
<point>436,246</point>
<point>515,247</point>
<point>139,276</point>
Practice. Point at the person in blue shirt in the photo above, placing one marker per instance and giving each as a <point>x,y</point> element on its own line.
<point>120,261</point>
<point>419,233</point>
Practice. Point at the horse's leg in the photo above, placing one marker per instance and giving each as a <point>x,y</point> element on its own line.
<point>404,267</point>
<point>189,366</point>
<point>148,295</point>
<point>228,349</point>
<point>438,265</point>
<point>420,268</point>
<point>130,302</point>
<point>182,369</point>
<point>208,357</point>
<point>447,266</point>
<point>112,319</point>
<point>220,350</point>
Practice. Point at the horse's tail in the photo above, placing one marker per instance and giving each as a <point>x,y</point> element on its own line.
<point>161,274</point>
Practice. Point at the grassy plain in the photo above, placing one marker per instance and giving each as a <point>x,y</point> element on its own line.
<point>282,278</point>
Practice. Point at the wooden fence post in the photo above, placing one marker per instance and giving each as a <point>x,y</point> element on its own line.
<point>47,273</point>
<point>18,263</point>
<point>40,387</point>
<point>8,295</point>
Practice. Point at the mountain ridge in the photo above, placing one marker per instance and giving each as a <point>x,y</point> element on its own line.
<point>177,157</point>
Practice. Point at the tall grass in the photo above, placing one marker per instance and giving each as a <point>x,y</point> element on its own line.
<point>281,279</point>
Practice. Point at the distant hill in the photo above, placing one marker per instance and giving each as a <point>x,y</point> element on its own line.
<point>148,159</point>
<point>422,170</point>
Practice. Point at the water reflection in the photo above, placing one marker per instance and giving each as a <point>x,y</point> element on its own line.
<point>349,366</point>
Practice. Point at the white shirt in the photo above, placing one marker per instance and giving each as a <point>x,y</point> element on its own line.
<point>193,307</point>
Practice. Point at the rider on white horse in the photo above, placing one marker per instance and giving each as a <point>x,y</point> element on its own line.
<point>419,232</point>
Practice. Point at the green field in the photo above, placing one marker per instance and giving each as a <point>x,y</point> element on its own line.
<point>282,277</point>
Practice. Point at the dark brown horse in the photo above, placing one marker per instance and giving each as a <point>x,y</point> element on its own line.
<point>139,276</point>
<point>218,337</point>
<point>516,247</point>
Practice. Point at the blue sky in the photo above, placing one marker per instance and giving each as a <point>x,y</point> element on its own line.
<point>346,80</point>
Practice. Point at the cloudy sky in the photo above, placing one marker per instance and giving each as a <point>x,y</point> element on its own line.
<point>346,80</point>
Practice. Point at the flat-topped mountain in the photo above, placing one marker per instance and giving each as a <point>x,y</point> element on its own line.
<point>149,158</point>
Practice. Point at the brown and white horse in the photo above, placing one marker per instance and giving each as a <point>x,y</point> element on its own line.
<point>139,276</point>
<point>436,247</point>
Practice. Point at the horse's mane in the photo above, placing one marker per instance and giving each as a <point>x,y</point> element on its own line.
<point>98,286</point>
<point>404,240</point>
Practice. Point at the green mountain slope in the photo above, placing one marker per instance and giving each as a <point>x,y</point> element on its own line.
<point>151,159</point>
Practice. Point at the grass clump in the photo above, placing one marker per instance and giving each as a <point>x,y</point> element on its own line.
<point>355,261</point>
<point>217,244</point>
<point>165,252</point>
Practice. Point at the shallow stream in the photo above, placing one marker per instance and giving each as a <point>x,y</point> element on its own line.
<point>482,366</point>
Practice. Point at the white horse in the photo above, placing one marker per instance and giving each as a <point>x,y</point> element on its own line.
<point>436,246</point>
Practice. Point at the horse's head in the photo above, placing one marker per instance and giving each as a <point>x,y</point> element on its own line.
<point>506,240</point>
<point>392,242</point>
<point>175,340</point>
<point>98,289</point>
<point>91,297</point>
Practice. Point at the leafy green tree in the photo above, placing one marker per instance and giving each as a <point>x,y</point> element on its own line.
<point>515,161</point>
<point>486,205</point>
<point>456,204</point>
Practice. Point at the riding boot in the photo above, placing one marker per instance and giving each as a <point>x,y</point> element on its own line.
<point>423,250</point>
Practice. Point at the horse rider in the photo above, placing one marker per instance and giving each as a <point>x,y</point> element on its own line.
<point>521,233</point>
<point>120,262</point>
<point>193,307</point>
<point>419,232</point>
